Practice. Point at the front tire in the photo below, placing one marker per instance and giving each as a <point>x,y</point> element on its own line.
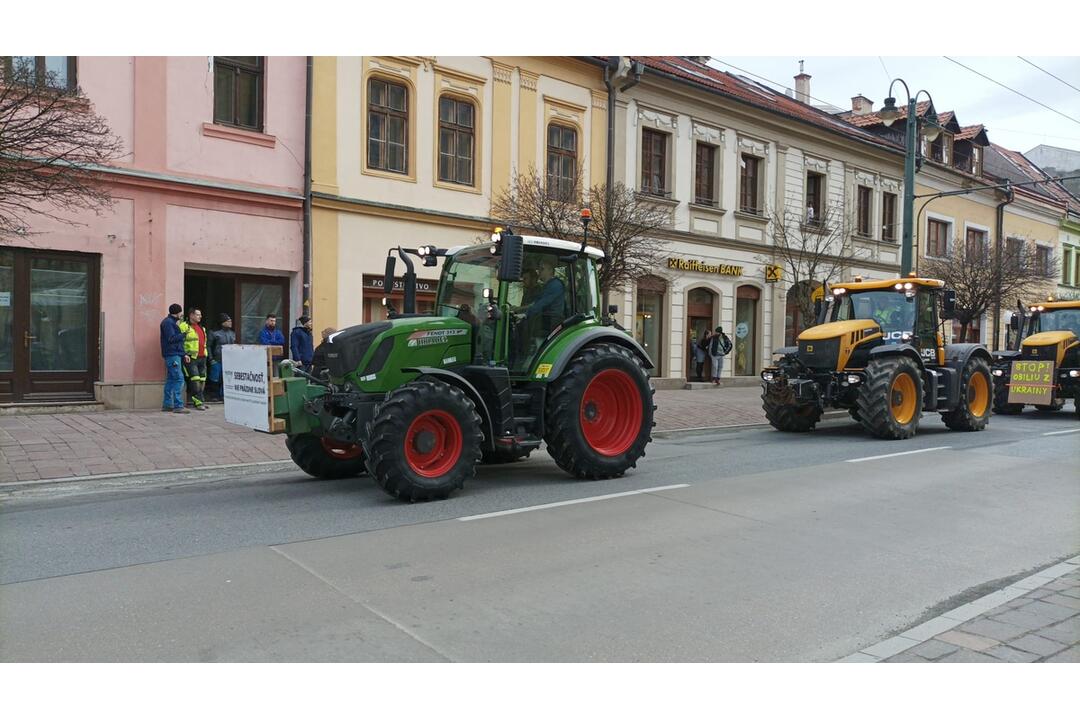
<point>599,413</point>
<point>973,412</point>
<point>890,400</point>
<point>787,416</point>
<point>1002,406</point>
<point>424,441</point>
<point>324,458</point>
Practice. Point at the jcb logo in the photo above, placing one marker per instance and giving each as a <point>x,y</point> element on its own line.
<point>809,348</point>
<point>1034,352</point>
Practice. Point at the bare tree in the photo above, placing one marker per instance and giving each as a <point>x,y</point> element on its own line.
<point>624,222</point>
<point>813,252</point>
<point>979,280</point>
<point>50,142</point>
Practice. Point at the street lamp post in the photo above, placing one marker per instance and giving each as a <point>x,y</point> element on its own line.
<point>930,130</point>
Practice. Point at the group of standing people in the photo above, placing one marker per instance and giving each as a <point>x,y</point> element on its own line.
<point>192,358</point>
<point>193,355</point>
<point>714,345</point>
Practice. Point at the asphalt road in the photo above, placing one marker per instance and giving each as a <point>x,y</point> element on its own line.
<point>774,547</point>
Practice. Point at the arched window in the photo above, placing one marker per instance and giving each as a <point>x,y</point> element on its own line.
<point>388,126</point>
<point>561,161</point>
<point>457,140</point>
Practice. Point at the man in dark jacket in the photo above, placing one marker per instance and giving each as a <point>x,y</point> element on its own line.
<point>172,350</point>
<point>302,344</point>
<point>224,335</point>
<point>270,335</point>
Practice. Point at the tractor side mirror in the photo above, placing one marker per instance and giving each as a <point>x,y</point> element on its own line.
<point>948,305</point>
<point>612,309</point>
<point>388,277</point>
<point>1014,322</point>
<point>513,251</point>
<point>817,308</point>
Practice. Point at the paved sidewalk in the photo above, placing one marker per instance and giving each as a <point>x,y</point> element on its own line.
<point>1036,619</point>
<point>65,445</point>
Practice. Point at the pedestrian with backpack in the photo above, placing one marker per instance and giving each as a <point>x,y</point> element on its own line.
<point>719,346</point>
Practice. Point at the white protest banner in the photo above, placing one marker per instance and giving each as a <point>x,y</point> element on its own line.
<point>245,383</point>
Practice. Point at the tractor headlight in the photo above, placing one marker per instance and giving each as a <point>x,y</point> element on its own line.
<point>899,286</point>
<point>495,237</point>
<point>767,376</point>
<point>1074,373</point>
<point>998,373</point>
<point>853,379</point>
<point>908,286</point>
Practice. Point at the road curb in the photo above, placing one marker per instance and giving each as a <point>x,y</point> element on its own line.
<point>896,644</point>
<point>121,480</point>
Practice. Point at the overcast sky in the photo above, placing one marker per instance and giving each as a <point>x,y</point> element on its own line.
<point>1010,120</point>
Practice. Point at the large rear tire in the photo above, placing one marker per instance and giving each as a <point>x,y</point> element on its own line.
<point>599,413</point>
<point>424,441</point>
<point>786,415</point>
<point>890,401</point>
<point>973,412</point>
<point>1002,406</point>
<point>324,458</point>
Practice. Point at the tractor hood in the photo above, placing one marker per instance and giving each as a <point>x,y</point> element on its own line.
<point>838,329</point>
<point>1050,337</point>
<point>364,349</point>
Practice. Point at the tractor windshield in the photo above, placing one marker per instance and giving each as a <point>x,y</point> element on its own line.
<point>461,294</point>
<point>1065,319</point>
<point>890,309</point>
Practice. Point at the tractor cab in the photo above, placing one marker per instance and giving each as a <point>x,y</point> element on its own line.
<point>514,318</point>
<point>904,311</point>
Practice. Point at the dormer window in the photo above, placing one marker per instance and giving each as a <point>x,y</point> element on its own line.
<point>941,149</point>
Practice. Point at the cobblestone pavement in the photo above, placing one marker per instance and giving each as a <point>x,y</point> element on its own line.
<point>1036,619</point>
<point>63,445</point>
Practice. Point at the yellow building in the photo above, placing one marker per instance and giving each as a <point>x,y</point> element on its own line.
<point>963,159</point>
<point>412,150</point>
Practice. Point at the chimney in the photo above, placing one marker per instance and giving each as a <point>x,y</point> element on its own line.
<point>802,85</point>
<point>862,105</point>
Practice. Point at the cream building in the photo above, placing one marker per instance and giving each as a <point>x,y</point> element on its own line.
<point>411,150</point>
<point>724,153</point>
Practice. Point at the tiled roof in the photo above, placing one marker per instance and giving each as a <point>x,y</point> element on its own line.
<point>875,118</point>
<point>758,95</point>
<point>870,119</point>
<point>1025,170</point>
<point>966,133</point>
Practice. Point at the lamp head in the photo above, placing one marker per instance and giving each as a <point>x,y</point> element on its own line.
<point>889,113</point>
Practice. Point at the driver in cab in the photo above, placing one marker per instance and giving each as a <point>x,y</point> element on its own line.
<point>551,302</point>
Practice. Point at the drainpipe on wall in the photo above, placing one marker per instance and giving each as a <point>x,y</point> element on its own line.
<point>612,73</point>
<point>307,189</point>
<point>1000,230</point>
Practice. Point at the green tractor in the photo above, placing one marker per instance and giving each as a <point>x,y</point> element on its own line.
<point>517,352</point>
<point>878,353</point>
<point>1048,335</point>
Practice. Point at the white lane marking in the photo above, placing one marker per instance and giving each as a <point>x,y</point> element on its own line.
<point>570,502</point>
<point>907,452</point>
<point>1062,432</point>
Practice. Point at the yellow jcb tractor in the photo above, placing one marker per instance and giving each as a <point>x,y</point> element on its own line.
<point>878,352</point>
<point>1050,333</point>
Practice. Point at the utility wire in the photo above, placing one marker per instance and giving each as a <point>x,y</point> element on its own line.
<point>1067,117</point>
<point>1063,82</point>
<point>888,77</point>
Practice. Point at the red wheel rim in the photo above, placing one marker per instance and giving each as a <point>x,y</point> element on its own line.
<point>340,450</point>
<point>433,443</point>
<point>611,412</point>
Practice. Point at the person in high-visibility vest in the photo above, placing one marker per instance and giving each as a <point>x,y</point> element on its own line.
<point>194,356</point>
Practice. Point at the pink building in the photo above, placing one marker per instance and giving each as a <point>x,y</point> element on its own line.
<point>208,213</point>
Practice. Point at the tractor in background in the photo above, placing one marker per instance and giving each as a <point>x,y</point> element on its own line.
<point>1049,333</point>
<point>879,353</point>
